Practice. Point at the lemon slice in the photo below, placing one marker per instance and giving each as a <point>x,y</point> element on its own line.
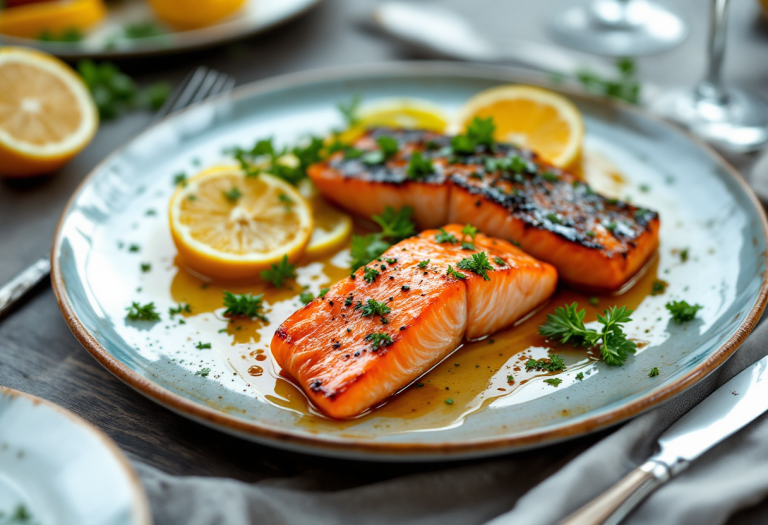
<point>46,112</point>
<point>332,227</point>
<point>194,14</point>
<point>531,117</point>
<point>229,226</point>
<point>34,19</point>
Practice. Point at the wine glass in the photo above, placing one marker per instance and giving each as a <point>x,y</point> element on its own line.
<point>731,119</point>
<point>617,27</point>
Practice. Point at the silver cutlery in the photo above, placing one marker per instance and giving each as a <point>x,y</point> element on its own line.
<point>444,32</point>
<point>726,411</point>
<point>200,84</point>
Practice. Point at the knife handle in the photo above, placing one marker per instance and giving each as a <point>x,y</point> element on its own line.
<point>615,503</point>
<point>17,287</point>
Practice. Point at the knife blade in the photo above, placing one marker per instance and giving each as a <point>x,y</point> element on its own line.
<point>726,411</point>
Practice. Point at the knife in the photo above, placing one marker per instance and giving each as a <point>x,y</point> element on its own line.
<point>727,410</point>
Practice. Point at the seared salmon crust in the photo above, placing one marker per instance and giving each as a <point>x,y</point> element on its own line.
<point>595,242</point>
<point>392,320</point>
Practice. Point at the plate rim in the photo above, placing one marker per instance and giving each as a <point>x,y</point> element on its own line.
<point>370,450</point>
<point>193,39</point>
<point>140,499</point>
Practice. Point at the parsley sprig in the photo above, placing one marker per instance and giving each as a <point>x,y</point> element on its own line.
<point>478,264</point>
<point>279,272</point>
<point>681,311</point>
<point>289,164</point>
<point>419,167</point>
<point>479,133</point>
<point>395,226</point>
<point>244,305</point>
<point>373,307</point>
<point>566,325</point>
<point>445,237</point>
<point>379,340</point>
<point>139,312</point>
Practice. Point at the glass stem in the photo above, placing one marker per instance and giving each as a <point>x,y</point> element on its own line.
<point>711,88</point>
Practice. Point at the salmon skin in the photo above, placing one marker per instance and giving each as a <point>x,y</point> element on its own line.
<point>596,243</point>
<point>391,321</point>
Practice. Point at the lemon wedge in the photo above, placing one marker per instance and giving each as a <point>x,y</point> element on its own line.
<point>230,227</point>
<point>531,117</point>
<point>46,113</point>
<point>409,113</point>
<point>34,19</point>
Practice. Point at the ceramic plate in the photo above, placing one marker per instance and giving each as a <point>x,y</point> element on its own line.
<point>108,39</point>
<point>713,245</point>
<point>56,469</point>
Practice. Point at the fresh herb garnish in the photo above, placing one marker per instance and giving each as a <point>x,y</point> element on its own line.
<point>379,340</point>
<point>580,376</point>
<point>288,164</point>
<point>478,264</point>
<point>232,195</point>
<point>373,307</point>
<point>286,201</point>
<point>566,325</point>
<point>419,167</point>
<point>554,381</point>
<point>203,346</point>
<point>115,93</point>
<point>145,267</point>
<point>625,87</point>
<point>71,34</point>
<point>306,297</point>
<point>322,292</point>
<point>468,230</point>
<point>510,378</point>
<point>684,255</point>
<point>244,305</point>
<point>468,246</point>
<point>350,110</point>
<point>443,237</point>
<point>423,264</point>
<point>182,308</point>
<point>388,146</point>
<point>138,312</point>
<point>180,178</point>
<point>203,372</point>
<point>395,226</point>
<point>681,311</point>
<point>279,273</point>
<point>146,29</point>
<point>453,273</point>
<point>594,301</point>
<point>499,261</point>
<point>479,133</point>
<point>659,287</point>
<point>654,372</point>
<point>133,248</point>
<point>549,176</point>
<point>370,274</point>
<point>553,364</point>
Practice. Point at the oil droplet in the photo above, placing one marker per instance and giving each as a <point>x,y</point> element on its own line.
<point>261,357</point>
<point>255,370</point>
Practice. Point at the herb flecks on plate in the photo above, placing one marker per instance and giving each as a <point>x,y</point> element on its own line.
<point>244,305</point>
<point>139,312</point>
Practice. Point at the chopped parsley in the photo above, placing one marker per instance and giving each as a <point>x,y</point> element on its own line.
<point>323,291</point>
<point>145,267</point>
<point>419,167</point>
<point>286,201</point>
<point>350,111</point>
<point>554,218</point>
<point>554,381</point>
<point>138,312</point>
<point>580,376</point>
<point>659,287</point>
<point>373,307</point>
<point>566,325</point>
<point>388,146</point>
<point>684,255</point>
<point>423,264</point>
<point>146,29</point>
<point>468,246</point>
<point>449,401</point>
<point>182,308</point>
<point>443,237</point>
<point>244,305</point>
<point>289,164</point>
<point>477,264</point>
<point>232,195</point>
<point>203,346</point>
<point>306,297</point>
<point>133,248</point>
<point>379,340</point>
<point>180,178</point>
<point>553,364</point>
<point>203,372</point>
<point>594,301</point>
<point>510,378</point>
<point>279,273</point>
<point>681,311</point>
<point>625,87</point>
<point>479,133</point>
<point>468,230</point>
<point>549,176</point>
<point>453,273</point>
<point>370,274</point>
<point>654,372</point>
<point>499,261</point>
<point>70,34</point>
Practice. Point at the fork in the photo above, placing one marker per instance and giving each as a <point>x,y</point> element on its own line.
<point>200,84</point>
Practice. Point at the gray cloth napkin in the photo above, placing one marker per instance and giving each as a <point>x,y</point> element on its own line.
<point>540,486</point>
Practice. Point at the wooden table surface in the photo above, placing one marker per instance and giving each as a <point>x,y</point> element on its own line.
<point>39,355</point>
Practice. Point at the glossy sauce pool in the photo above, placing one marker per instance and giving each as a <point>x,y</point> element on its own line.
<point>490,372</point>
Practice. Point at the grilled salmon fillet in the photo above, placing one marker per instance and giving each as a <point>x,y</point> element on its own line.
<point>388,323</point>
<point>596,243</point>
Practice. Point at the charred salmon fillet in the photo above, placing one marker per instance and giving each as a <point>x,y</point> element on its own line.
<point>392,320</point>
<point>596,243</point>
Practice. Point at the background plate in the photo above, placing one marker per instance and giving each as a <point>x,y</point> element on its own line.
<point>107,41</point>
<point>704,205</point>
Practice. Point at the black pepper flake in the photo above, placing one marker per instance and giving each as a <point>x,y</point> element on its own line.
<point>347,356</point>
<point>477,204</point>
<point>391,277</point>
<point>383,266</point>
<point>352,277</point>
<point>330,302</point>
<point>405,288</point>
<point>426,273</point>
<point>384,320</point>
<point>315,385</point>
<point>402,328</point>
<point>336,345</point>
<point>349,330</point>
<point>391,298</point>
<point>357,354</point>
